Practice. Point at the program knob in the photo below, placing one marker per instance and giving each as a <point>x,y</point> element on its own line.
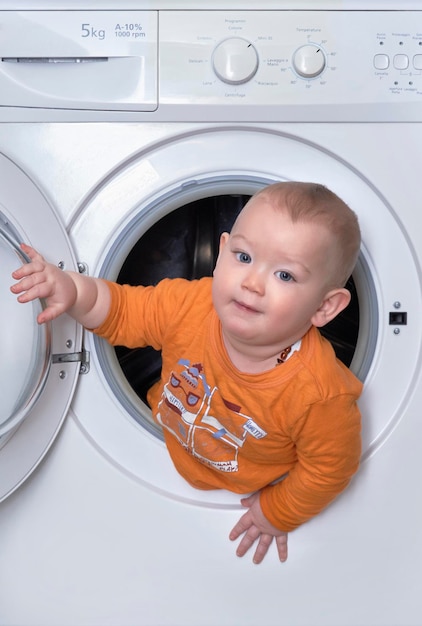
<point>309,61</point>
<point>235,61</point>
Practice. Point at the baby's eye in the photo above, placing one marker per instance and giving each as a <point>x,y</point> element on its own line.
<point>284,276</point>
<point>243,257</point>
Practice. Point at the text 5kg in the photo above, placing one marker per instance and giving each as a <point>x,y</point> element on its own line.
<point>91,31</point>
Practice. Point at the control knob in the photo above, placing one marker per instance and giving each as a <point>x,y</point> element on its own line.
<point>235,61</point>
<point>309,61</point>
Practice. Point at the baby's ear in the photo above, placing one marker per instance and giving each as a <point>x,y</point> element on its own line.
<point>334,302</point>
<point>224,237</point>
<point>223,240</point>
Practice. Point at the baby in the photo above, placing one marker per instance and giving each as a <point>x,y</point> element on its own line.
<point>251,398</point>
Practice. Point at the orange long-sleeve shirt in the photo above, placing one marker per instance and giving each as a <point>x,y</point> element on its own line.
<point>243,432</point>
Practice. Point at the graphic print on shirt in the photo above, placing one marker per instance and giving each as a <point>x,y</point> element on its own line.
<point>210,427</point>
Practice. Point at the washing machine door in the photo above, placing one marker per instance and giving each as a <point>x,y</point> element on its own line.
<point>214,163</point>
<point>39,365</point>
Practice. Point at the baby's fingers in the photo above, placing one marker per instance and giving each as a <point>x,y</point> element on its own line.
<point>37,264</point>
<point>242,526</point>
<point>31,285</point>
<point>281,542</point>
<point>247,541</point>
<point>264,543</point>
<point>49,314</point>
<point>31,252</point>
<point>24,271</point>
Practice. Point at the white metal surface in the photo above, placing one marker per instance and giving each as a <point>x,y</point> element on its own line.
<point>105,532</point>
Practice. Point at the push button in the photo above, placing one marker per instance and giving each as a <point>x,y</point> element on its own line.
<point>381,62</point>
<point>417,61</point>
<point>401,61</point>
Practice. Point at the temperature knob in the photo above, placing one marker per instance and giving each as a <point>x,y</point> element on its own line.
<point>235,61</point>
<point>309,61</point>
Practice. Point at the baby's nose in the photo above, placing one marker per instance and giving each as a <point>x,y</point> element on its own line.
<point>254,280</point>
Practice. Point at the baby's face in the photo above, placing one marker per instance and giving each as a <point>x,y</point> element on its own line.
<point>271,276</point>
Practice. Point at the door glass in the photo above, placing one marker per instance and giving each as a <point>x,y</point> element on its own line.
<point>24,345</point>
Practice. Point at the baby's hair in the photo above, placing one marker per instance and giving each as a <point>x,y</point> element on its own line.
<point>307,202</point>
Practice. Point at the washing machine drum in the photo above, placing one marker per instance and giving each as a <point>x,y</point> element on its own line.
<point>25,345</point>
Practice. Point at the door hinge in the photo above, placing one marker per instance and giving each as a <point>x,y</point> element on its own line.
<point>74,357</point>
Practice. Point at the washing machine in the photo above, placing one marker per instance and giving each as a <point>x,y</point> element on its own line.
<point>130,137</point>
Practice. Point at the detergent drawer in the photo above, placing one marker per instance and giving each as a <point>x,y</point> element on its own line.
<point>99,60</point>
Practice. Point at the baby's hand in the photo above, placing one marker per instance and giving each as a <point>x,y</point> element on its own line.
<point>255,527</point>
<point>39,279</point>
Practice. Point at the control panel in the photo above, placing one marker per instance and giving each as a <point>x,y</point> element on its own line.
<point>291,57</point>
<point>205,65</point>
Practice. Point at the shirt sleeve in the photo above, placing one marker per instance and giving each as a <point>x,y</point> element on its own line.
<point>140,316</point>
<point>147,316</point>
<point>328,448</point>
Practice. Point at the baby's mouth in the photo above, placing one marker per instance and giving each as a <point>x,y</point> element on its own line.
<point>242,306</point>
